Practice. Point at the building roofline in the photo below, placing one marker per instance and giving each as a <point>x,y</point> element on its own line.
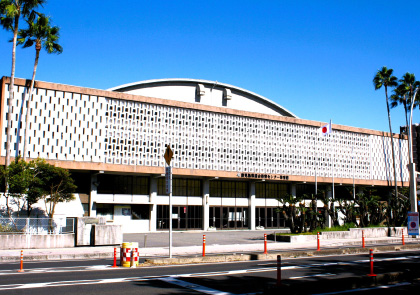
<point>207,82</point>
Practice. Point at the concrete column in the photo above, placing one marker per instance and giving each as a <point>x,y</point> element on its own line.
<point>251,202</point>
<point>93,195</point>
<point>152,202</point>
<point>206,205</point>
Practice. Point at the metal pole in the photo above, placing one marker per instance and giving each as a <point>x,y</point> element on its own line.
<point>316,167</point>
<point>170,220</point>
<point>352,164</point>
<point>412,166</point>
<point>332,160</point>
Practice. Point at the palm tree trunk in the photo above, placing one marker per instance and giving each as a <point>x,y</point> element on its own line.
<point>11,94</point>
<point>28,107</point>
<point>392,145</point>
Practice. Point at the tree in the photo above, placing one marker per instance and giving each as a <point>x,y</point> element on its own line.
<point>290,212</point>
<point>400,97</point>
<point>55,185</point>
<point>17,178</point>
<point>370,209</point>
<point>385,78</point>
<point>23,188</point>
<point>404,93</point>
<point>43,35</point>
<point>11,12</point>
<point>329,206</point>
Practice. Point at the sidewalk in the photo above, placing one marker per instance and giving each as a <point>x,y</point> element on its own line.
<point>243,245</point>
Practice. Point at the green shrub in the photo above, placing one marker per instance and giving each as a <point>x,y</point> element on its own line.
<point>6,228</point>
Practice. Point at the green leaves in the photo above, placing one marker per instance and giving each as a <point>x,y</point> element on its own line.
<point>38,180</point>
<point>41,33</point>
<point>384,78</point>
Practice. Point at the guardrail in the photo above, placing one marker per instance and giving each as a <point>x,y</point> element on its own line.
<point>37,226</point>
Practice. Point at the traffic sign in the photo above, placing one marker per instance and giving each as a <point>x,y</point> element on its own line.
<point>168,176</point>
<point>168,155</point>
<point>413,223</point>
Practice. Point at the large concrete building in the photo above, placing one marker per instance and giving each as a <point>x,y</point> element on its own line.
<point>235,151</point>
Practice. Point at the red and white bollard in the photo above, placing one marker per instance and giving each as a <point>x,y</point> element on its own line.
<point>265,244</point>
<point>317,240</point>
<point>278,270</point>
<point>21,261</point>
<point>403,242</point>
<point>115,257</point>
<point>372,274</point>
<point>204,245</point>
<point>363,238</point>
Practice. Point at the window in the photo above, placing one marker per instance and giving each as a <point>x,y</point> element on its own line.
<point>140,211</point>
<point>228,189</point>
<point>106,210</point>
<point>123,184</point>
<point>181,187</point>
<point>271,190</point>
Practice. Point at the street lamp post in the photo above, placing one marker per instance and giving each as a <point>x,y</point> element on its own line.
<point>412,165</point>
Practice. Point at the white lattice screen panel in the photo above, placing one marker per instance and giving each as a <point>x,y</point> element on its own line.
<point>137,133</point>
<point>62,125</point>
<point>71,126</point>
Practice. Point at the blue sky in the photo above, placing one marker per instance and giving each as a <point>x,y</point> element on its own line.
<point>315,58</point>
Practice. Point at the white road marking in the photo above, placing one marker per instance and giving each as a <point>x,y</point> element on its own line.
<point>146,278</point>
<point>195,287</point>
<point>366,289</point>
<point>311,276</point>
<point>56,269</point>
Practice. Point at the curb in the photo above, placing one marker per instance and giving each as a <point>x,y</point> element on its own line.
<point>44,257</point>
<point>211,258</point>
<point>273,255</point>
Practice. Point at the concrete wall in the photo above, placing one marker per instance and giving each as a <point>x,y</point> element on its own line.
<point>94,231</point>
<point>106,234</point>
<point>353,233</point>
<point>36,241</point>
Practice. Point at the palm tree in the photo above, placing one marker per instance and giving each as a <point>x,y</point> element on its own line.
<point>11,12</point>
<point>409,85</point>
<point>400,97</point>
<point>385,78</point>
<point>43,35</point>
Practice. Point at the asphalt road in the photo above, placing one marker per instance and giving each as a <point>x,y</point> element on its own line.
<point>98,277</point>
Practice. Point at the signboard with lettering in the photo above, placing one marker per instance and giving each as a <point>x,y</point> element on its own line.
<point>413,223</point>
<point>263,176</point>
<point>168,176</point>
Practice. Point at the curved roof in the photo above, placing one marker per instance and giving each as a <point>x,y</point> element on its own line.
<point>211,84</point>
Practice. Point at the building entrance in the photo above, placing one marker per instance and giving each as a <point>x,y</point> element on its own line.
<point>268,217</point>
<point>229,217</point>
<point>183,217</point>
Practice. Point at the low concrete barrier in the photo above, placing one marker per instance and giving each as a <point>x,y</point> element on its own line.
<point>10,242</point>
<point>93,231</point>
<point>352,233</point>
<point>107,234</point>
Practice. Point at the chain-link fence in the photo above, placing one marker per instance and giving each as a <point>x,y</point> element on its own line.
<point>37,226</point>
